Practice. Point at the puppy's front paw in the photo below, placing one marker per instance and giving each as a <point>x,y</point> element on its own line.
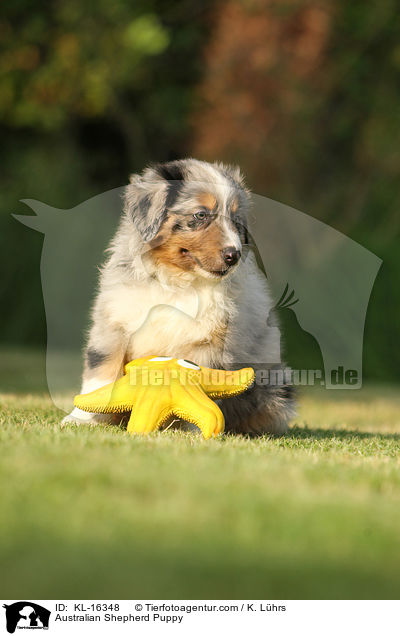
<point>83,418</point>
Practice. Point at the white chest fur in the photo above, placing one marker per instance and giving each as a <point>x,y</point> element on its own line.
<point>188,322</point>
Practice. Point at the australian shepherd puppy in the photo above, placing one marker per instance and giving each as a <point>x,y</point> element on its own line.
<point>180,280</point>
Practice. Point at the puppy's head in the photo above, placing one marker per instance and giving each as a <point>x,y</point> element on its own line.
<point>191,216</point>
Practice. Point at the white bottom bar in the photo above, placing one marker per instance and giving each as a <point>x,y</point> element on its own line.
<point>159,617</point>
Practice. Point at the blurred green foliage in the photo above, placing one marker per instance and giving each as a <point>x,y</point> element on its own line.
<point>90,92</point>
<point>305,97</point>
<point>75,60</point>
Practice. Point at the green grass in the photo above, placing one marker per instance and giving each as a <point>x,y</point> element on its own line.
<point>93,513</point>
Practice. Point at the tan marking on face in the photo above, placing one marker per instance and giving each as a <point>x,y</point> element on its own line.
<point>204,248</point>
<point>208,200</point>
<point>165,231</point>
<point>235,205</point>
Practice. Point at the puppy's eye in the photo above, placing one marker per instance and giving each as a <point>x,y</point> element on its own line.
<point>200,215</point>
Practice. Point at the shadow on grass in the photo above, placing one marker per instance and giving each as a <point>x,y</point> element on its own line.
<point>298,432</point>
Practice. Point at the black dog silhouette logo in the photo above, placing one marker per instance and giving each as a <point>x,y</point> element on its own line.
<point>26,615</point>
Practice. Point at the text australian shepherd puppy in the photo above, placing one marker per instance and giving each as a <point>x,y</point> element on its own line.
<point>181,281</point>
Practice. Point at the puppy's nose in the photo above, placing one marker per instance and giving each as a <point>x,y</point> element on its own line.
<point>231,256</point>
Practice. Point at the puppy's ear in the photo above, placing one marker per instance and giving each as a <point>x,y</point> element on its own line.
<point>149,196</point>
<point>232,171</point>
<point>145,203</point>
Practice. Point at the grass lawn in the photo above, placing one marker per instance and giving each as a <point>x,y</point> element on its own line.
<point>93,513</point>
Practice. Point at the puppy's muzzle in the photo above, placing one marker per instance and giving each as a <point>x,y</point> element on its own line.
<point>231,256</point>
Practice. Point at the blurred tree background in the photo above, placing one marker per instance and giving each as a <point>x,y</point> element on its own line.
<point>304,95</point>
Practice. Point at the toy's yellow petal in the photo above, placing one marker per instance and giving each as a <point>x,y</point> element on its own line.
<point>218,383</point>
<point>151,409</point>
<point>191,404</point>
<point>115,397</point>
<point>139,362</point>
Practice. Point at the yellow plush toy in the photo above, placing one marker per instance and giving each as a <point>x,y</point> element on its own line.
<point>159,389</point>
